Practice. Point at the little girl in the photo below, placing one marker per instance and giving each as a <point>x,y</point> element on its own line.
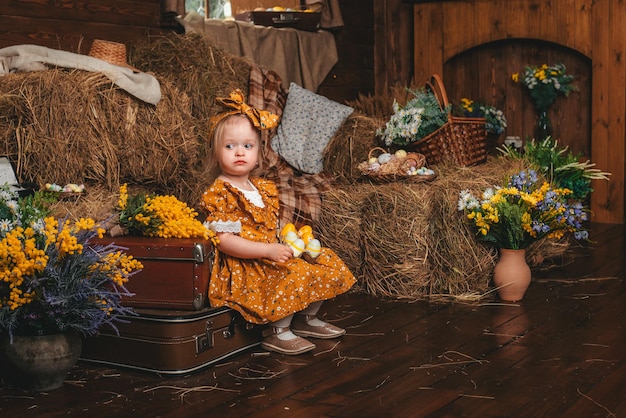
<point>253,272</point>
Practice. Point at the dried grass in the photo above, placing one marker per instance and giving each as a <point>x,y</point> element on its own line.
<point>409,241</point>
<point>71,126</point>
<point>350,146</point>
<point>196,67</point>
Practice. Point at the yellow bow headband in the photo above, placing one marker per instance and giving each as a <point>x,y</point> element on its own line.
<point>261,119</point>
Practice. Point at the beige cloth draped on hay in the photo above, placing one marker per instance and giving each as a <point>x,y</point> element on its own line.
<point>299,193</point>
<point>26,57</point>
<point>304,58</point>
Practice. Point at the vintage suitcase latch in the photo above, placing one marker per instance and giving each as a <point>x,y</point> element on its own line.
<point>204,341</point>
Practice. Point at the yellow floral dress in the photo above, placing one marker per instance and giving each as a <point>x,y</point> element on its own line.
<point>260,289</point>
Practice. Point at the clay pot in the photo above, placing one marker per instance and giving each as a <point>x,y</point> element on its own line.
<point>511,275</point>
<point>38,363</point>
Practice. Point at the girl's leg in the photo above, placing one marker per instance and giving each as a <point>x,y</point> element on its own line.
<point>279,338</point>
<point>306,324</point>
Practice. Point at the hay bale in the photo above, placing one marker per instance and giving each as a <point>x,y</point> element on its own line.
<point>193,63</point>
<point>72,126</point>
<point>395,241</point>
<point>339,223</point>
<point>97,203</point>
<point>408,240</point>
<point>62,126</point>
<point>460,266</point>
<point>349,146</point>
<point>380,106</point>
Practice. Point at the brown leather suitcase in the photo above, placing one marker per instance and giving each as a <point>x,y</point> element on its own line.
<point>175,272</point>
<point>173,342</point>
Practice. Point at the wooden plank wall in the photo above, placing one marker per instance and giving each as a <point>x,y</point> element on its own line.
<point>375,45</point>
<point>72,25</point>
<point>375,49</point>
<point>484,41</point>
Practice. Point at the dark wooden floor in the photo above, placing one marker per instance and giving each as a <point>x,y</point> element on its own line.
<point>560,352</point>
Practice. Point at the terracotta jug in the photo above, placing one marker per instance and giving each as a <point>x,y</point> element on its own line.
<point>511,275</point>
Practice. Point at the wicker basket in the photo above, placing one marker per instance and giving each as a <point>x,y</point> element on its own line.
<point>464,140</point>
<point>396,169</point>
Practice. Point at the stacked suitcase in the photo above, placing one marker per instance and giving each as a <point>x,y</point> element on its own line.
<point>175,331</point>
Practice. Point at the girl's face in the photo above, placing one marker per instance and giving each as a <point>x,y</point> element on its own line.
<point>237,152</point>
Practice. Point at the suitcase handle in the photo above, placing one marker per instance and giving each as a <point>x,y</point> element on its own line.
<point>230,331</point>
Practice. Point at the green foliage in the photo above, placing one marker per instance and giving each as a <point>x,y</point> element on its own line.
<point>545,83</point>
<point>133,216</point>
<point>420,117</point>
<point>433,116</point>
<point>560,167</point>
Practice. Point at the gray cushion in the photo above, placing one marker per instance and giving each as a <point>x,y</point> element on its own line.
<point>308,122</point>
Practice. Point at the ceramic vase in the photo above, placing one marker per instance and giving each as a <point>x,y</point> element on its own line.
<point>38,363</point>
<point>511,275</point>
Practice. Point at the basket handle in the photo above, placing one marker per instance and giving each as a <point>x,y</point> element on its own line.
<point>382,151</point>
<point>435,84</point>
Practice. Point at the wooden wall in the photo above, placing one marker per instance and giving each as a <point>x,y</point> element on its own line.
<point>72,25</point>
<point>375,46</point>
<point>375,49</point>
<point>477,45</point>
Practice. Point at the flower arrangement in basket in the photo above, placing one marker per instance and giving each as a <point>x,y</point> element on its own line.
<point>53,277</point>
<point>425,125</point>
<point>401,165</point>
<point>419,117</point>
<point>495,121</point>
<point>524,210</point>
<point>159,216</point>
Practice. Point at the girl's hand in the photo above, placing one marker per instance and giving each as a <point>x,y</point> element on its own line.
<point>279,253</point>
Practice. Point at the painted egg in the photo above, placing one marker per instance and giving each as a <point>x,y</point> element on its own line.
<point>384,158</point>
<point>306,229</point>
<point>298,247</point>
<point>307,237</point>
<point>290,237</point>
<point>401,153</point>
<point>313,248</point>
<point>374,167</point>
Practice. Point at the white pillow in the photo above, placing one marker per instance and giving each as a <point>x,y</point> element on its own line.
<point>308,122</point>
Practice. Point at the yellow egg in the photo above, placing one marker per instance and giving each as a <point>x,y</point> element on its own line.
<point>286,229</point>
<point>306,229</point>
<point>307,237</point>
<point>401,153</point>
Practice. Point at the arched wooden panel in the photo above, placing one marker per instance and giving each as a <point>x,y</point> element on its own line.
<point>444,30</point>
<point>563,22</point>
<point>484,74</point>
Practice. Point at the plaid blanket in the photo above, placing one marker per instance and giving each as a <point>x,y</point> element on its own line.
<point>299,193</point>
